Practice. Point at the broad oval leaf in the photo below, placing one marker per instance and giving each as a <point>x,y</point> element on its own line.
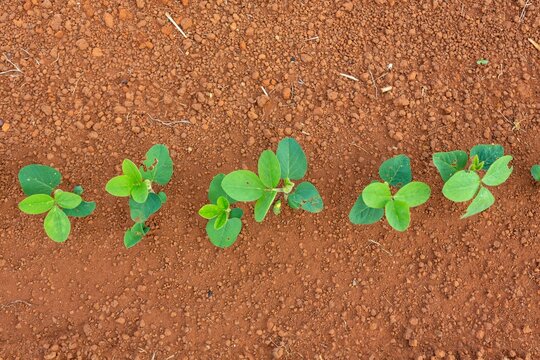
<point>361,214</point>
<point>398,214</point>
<point>243,185</point>
<point>498,172</point>
<point>134,235</point>
<point>36,204</point>
<point>84,209</point>
<point>535,172</point>
<point>221,220</point>
<point>139,192</point>
<point>462,186</point>
<point>292,159</point>
<point>487,153</point>
<point>39,179</point>
<point>448,163</point>
<point>119,186</point>
<point>162,197</point>
<point>158,165</point>
<point>307,197</point>
<point>210,211</point>
<point>396,171</point>
<point>269,169</point>
<point>67,200</point>
<point>227,235</point>
<point>216,190</point>
<point>376,195</point>
<point>222,203</point>
<point>132,171</point>
<point>141,212</point>
<point>78,190</point>
<point>236,213</point>
<point>414,193</point>
<point>57,225</point>
<point>262,206</point>
<point>483,200</point>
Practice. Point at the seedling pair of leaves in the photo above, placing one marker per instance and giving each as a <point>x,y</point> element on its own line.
<point>376,200</point>
<point>462,184</point>
<point>136,183</point>
<point>535,172</point>
<point>276,172</point>
<point>39,182</point>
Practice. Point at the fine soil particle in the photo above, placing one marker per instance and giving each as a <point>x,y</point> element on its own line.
<point>85,84</point>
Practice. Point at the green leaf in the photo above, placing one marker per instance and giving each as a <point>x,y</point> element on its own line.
<point>376,195</point>
<point>39,179</point>
<point>222,203</point>
<point>140,212</point>
<point>162,197</point>
<point>398,214</point>
<point>481,202</point>
<point>361,214</point>
<point>84,209</point>
<point>292,159</point>
<point>221,220</point>
<point>135,234</point>
<point>243,185</point>
<point>158,165</point>
<point>131,171</point>
<point>67,200</point>
<point>210,211</point>
<point>236,213</point>
<point>78,190</point>
<point>139,192</point>
<point>448,163</point>
<point>535,172</point>
<point>498,172</point>
<point>487,153</point>
<point>306,196</point>
<point>36,204</point>
<point>57,225</point>
<point>263,205</point>
<point>269,169</point>
<point>215,190</point>
<point>119,186</point>
<point>227,235</point>
<point>462,186</point>
<point>396,171</point>
<point>414,193</point>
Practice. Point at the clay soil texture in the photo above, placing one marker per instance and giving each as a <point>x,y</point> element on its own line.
<point>85,84</point>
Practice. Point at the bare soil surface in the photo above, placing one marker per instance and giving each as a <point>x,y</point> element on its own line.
<point>94,82</point>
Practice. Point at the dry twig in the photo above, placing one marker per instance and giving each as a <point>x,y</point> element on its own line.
<point>374,84</point>
<point>16,67</point>
<point>524,10</point>
<point>176,25</point>
<point>350,77</point>
<point>169,123</point>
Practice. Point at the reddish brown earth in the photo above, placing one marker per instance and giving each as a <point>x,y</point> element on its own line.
<point>102,80</point>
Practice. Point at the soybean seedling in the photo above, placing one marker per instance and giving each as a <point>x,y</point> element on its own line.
<point>276,172</point>
<point>463,184</point>
<point>39,182</point>
<point>535,172</point>
<point>376,200</point>
<point>137,184</point>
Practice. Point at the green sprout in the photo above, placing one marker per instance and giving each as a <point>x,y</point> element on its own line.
<point>39,182</point>
<point>461,184</point>
<point>535,172</point>
<point>376,200</point>
<point>482,62</point>
<point>276,172</point>
<point>136,183</point>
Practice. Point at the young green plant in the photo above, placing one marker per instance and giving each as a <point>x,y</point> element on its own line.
<point>39,183</point>
<point>462,183</point>
<point>535,172</point>
<point>276,173</point>
<point>137,184</point>
<point>376,200</point>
